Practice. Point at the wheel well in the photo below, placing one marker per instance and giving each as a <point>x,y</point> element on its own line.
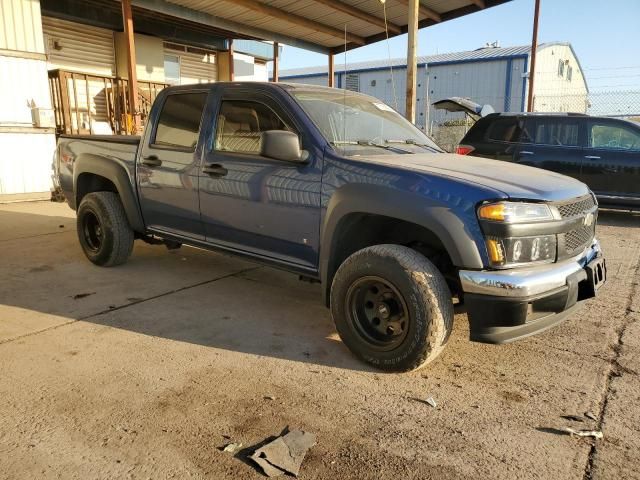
<point>360,230</point>
<point>90,182</point>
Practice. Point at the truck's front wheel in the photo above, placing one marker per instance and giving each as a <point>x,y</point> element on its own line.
<point>392,307</point>
<point>103,229</point>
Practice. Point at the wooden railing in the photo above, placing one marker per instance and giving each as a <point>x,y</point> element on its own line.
<point>85,103</point>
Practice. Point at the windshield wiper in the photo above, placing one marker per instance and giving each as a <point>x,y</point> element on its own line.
<point>368,143</point>
<point>410,141</point>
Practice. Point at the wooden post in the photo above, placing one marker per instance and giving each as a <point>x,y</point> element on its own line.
<point>332,72</point>
<point>412,59</point>
<point>276,60</point>
<point>534,50</point>
<point>231,66</point>
<point>127,21</point>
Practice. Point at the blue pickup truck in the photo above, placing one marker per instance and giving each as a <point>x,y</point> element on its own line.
<point>338,188</point>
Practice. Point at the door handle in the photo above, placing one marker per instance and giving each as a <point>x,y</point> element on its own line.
<point>215,170</point>
<point>592,157</point>
<point>152,161</point>
<point>526,152</point>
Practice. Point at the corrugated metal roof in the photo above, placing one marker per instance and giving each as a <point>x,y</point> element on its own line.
<point>313,24</point>
<point>455,57</point>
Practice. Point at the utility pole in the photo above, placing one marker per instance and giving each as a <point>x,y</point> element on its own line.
<point>534,49</point>
<point>134,109</point>
<point>412,59</point>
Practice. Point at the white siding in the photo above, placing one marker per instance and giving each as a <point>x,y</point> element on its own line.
<point>553,92</point>
<point>20,26</point>
<point>25,163</point>
<point>22,82</point>
<point>81,48</point>
<point>195,67</point>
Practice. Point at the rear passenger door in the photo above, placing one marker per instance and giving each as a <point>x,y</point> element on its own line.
<point>168,167</point>
<point>552,143</point>
<point>612,160</point>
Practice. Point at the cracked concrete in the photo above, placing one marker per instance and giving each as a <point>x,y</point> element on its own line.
<point>175,353</point>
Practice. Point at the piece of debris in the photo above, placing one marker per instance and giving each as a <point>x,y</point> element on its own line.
<point>584,433</point>
<point>591,416</point>
<point>431,402</point>
<point>232,447</point>
<point>573,418</point>
<point>285,454</point>
<point>78,296</point>
<point>269,397</point>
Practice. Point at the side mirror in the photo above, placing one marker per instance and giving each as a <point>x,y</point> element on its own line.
<point>281,145</point>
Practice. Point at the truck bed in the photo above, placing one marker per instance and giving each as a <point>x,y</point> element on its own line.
<point>120,150</point>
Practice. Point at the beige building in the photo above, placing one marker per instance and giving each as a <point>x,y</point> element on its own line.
<point>62,73</point>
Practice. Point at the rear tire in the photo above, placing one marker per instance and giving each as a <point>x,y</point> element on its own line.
<point>103,229</point>
<point>392,307</point>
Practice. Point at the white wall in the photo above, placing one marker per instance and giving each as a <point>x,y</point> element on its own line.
<point>25,162</point>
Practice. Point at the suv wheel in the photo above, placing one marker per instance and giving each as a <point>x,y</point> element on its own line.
<point>103,229</point>
<point>392,307</point>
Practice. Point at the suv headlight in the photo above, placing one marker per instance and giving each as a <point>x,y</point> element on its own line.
<point>510,251</point>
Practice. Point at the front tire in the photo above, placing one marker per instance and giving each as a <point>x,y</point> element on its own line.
<point>392,307</point>
<point>103,229</point>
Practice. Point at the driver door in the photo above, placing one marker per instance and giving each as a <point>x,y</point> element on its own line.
<point>252,203</point>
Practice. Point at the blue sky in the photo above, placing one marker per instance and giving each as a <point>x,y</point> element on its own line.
<point>604,34</point>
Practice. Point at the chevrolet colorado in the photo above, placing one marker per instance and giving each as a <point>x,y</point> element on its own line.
<point>339,188</point>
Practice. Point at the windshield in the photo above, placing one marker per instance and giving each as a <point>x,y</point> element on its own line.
<point>357,124</point>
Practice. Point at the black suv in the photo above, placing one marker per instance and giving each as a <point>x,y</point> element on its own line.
<point>602,152</point>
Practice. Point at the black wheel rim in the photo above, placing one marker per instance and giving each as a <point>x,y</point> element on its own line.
<point>93,232</point>
<point>377,312</point>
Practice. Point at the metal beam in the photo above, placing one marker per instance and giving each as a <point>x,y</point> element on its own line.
<point>332,72</point>
<point>534,50</point>
<point>276,62</point>
<point>174,10</point>
<point>232,67</point>
<point>127,21</point>
<point>360,14</point>
<point>424,11</point>
<point>412,60</point>
<point>296,20</point>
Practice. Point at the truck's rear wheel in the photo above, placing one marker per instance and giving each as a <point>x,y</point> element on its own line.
<point>103,229</point>
<point>392,307</point>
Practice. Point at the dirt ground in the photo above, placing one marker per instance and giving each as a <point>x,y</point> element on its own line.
<point>146,370</point>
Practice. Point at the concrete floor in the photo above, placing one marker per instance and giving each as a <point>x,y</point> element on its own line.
<point>146,370</point>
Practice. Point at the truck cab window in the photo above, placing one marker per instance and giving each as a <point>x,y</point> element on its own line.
<point>179,121</point>
<point>241,123</point>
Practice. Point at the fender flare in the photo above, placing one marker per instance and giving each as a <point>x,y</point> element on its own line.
<point>455,225</point>
<point>119,176</point>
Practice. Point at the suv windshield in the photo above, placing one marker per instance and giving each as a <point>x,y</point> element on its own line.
<point>357,124</point>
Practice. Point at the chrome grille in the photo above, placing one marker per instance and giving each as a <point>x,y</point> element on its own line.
<point>576,208</point>
<point>578,239</point>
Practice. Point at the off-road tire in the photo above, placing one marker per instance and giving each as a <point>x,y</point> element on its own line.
<point>114,244</point>
<point>426,295</point>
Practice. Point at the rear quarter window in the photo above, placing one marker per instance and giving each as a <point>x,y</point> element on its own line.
<point>504,130</point>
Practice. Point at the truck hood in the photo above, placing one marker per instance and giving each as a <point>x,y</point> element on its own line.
<point>513,180</point>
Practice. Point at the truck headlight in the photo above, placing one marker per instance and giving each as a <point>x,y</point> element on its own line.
<point>515,212</point>
<point>521,250</point>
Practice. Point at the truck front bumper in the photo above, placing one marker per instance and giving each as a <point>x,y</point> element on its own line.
<point>506,305</point>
